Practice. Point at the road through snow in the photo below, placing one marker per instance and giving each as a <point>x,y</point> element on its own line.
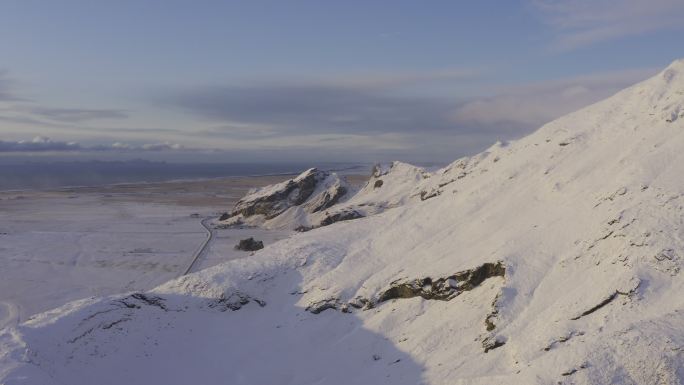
<point>203,246</point>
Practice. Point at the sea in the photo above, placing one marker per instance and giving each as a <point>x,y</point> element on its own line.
<point>60,174</point>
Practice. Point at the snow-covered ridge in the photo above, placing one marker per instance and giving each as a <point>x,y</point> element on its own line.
<point>553,259</point>
<point>317,198</point>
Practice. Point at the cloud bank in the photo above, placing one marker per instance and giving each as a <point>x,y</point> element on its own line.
<point>44,144</point>
<point>580,23</point>
<point>17,109</point>
<point>379,117</point>
<point>297,109</point>
<point>268,111</point>
<point>518,108</point>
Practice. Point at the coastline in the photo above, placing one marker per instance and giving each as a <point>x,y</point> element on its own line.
<point>72,175</point>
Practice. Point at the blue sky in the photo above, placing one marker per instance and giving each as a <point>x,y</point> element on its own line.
<point>306,80</point>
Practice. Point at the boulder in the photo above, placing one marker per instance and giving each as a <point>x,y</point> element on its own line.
<point>249,244</point>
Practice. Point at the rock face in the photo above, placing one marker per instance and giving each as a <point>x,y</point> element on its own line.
<point>272,200</point>
<point>446,288</point>
<point>249,244</point>
<point>343,215</point>
<point>440,289</point>
<point>292,203</point>
<point>318,198</point>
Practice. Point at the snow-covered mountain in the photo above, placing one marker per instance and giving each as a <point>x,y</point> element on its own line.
<point>318,198</point>
<point>552,259</point>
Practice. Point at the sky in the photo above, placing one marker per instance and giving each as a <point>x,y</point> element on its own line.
<point>278,81</point>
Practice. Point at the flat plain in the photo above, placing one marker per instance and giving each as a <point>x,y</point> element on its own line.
<point>62,245</point>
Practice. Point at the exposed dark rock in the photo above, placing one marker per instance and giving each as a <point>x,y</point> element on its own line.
<point>378,183</point>
<point>603,303</point>
<point>294,192</point>
<point>150,300</point>
<point>489,322</point>
<point>563,339</point>
<point>345,215</point>
<point>224,216</point>
<point>491,343</point>
<point>313,191</point>
<point>443,289</point>
<point>425,288</point>
<point>119,312</point>
<point>572,371</point>
<point>78,337</point>
<point>126,304</point>
<point>424,195</point>
<point>259,302</point>
<point>361,303</point>
<point>249,244</point>
<point>469,279</point>
<point>329,198</point>
<point>135,300</point>
<point>233,301</point>
<point>114,323</point>
<point>329,303</point>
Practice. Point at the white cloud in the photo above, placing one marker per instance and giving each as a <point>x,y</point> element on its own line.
<point>38,144</point>
<point>529,106</point>
<point>44,144</point>
<point>580,23</point>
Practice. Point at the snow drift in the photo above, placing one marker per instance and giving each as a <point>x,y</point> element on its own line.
<point>553,259</point>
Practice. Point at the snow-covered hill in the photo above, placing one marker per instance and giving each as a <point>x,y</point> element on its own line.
<point>552,259</point>
<point>318,198</point>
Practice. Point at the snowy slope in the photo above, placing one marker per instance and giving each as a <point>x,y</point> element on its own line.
<point>552,259</point>
<point>318,198</point>
<point>290,204</point>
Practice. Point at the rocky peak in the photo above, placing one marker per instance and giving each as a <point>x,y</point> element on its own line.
<point>313,190</point>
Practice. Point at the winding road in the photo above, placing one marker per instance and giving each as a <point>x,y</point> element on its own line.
<point>203,246</point>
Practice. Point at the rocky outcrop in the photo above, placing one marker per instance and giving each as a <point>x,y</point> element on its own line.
<point>491,343</point>
<point>440,289</point>
<point>249,244</point>
<point>329,303</point>
<point>443,289</point>
<point>344,215</point>
<point>233,301</point>
<point>295,203</point>
<point>318,198</point>
<point>271,201</point>
<point>331,196</point>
